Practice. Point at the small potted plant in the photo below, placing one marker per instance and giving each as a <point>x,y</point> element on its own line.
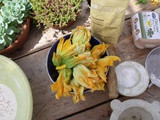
<point>59,14</point>
<point>14,24</point>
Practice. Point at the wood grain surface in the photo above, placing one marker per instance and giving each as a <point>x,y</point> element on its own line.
<point>103,111</point>
<point>32,59</point>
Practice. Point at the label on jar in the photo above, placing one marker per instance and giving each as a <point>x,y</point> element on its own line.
<point>146,25</point>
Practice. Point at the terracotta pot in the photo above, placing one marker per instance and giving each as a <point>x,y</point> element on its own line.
<point>20,40</point>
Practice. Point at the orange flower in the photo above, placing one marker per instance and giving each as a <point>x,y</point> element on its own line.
<point>89,60</point>
<point>98,50</point>
<point>61,86</point>
<point>84,76</point>
<point>103,63</point>
<point>78,91</point>
<point>155,2</point>
<point>64,51</point>
<point>81,37</point>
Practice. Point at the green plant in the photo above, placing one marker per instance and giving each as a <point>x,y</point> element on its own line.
<point>141,2</point>
<point>154,2</point>
<point>55,12</point>
<point>12,14</point>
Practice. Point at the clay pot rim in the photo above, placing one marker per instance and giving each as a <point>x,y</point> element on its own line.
<point>12,48</point>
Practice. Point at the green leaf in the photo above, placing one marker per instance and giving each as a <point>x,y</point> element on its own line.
<point>1,46</point>
<point>10,31</point>
<point>13,13</point>
<point>141,2</point>
<point>1,40</point>
<point>8,40</point>
<point>20,21</point>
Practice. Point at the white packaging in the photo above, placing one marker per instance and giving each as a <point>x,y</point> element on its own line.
<point>146,29</point>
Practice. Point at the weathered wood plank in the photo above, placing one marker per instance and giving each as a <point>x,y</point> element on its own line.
<point>126,50</point>
<point>38,41</point>
<point>46,107</point>
<point>101,112</point>
<point>104,111</point>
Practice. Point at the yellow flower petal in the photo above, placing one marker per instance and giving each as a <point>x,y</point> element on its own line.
<point>66,44</point>
<point>60,46</point>
<point>155,2</point>
<point>56,60</point>
<point>98,50</point>
<point>84,76</point>
<point>78,91</point>
<point>61,67</point>
<point>103,63</point>
<point>81,37</point>
<point>61,86</point>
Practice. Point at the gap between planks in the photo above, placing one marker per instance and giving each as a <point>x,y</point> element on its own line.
<point>25,55</point>
<point>89,108</point>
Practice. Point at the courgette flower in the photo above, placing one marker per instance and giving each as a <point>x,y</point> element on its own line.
<point>78,91</point>
<point>155,2</point>
<point>65,47</point>
<point>84,76</point>
<point>89,62</point>
<point>88,78</point>
<point>98,50</point>
<point>62,84</point>
<point>103,63</point>
<point>73,61</point>
<point>64,51</point>
<point>81,37</point>
<point>56,59</point>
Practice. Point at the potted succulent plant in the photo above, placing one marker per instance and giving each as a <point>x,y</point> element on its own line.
<point>56,13</point>
<point>14,24</point>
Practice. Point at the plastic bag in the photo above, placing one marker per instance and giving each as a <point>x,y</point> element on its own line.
<point>107,18</point>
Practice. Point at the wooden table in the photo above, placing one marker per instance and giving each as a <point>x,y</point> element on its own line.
<point>32,59</point>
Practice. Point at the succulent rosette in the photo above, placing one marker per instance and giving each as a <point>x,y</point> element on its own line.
<point>12,14</point>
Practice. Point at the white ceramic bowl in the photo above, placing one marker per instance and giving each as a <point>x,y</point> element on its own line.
<point>135,109</point>
<point>132,78</point>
